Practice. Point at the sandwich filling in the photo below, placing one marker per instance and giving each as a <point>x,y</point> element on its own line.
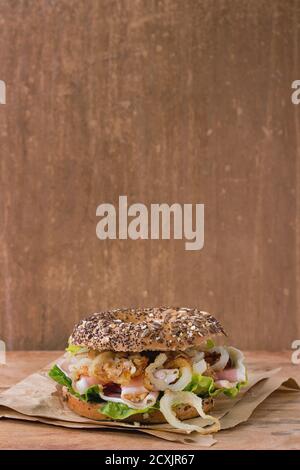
<point>139,383</point>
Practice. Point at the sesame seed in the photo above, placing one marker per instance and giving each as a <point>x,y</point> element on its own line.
<point>136,329</point>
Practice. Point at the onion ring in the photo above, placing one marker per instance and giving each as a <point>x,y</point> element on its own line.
<point>171,399</point>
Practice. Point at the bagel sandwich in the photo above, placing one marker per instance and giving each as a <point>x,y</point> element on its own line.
<point>149,365</point>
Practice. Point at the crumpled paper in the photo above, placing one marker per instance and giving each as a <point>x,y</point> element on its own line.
<point>36,399</point>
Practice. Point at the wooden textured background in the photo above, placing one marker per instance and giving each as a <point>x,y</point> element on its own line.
<point>163,101</point>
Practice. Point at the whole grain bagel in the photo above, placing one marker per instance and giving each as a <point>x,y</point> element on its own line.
<point>93,411</point>
<point>146,329</point>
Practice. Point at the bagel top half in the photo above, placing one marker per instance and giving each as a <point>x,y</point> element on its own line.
<point>146,329</point>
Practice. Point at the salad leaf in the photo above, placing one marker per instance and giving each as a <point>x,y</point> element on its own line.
<point>205,386</point>
<point>91,394</point>
<point>73,349</point>
<point>122,411</point>
<point>60,377</point>
<point>229,392</point>
<point>200,385</point>
<point>210,344</point>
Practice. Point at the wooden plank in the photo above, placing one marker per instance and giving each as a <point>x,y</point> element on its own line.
<point>274,425</point>
<point>163,102</point>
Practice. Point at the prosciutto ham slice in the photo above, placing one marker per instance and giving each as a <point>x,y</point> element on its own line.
<point>134,388</point>
<point>224,384</point>
<point>237,371</point>
<point>136,395</point>
<point>228,374</point>
<point>84,383</point>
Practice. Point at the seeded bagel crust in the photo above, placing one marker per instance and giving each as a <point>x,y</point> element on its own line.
<point>146,329</point>
<point>93,411</point>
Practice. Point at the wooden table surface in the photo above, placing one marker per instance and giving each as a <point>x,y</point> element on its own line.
<point>274,424</point>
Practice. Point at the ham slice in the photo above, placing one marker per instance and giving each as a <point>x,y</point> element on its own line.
<point>135,387</point>
<point>149,400</point>
<point>135,395</point>
<point>84,383</point>
<point>237,373</point>
<point>115,399</point>
<point>227,374</point>
<point>224,384</point>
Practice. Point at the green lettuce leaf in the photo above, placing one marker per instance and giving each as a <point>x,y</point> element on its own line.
<point>74,349</point>
<point>60,377</point>
<point>200,385</point>
<point>122,411</point>
<point>91,394</point>
<point>205,386</point>
<point>210,344</point>
<point>229,392</point>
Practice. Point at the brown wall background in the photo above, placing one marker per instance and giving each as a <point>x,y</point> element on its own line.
<point>163,101</point>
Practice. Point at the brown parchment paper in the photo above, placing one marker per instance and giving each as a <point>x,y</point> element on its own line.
<point>36,398</point>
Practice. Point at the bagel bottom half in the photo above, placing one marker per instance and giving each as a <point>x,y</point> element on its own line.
<point>93,411</point>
